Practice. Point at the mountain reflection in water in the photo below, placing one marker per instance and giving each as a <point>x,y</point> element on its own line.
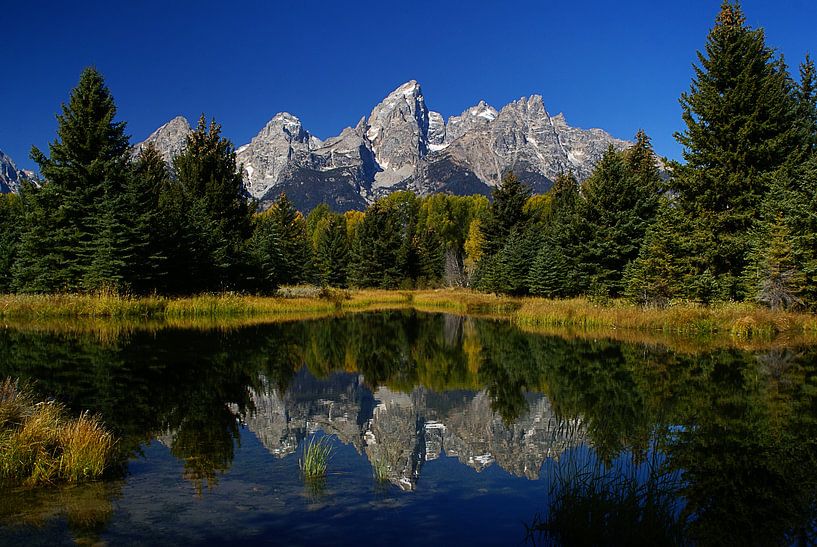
<point>586,441</point>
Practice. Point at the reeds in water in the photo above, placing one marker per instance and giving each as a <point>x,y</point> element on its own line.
<point>380,470</point>
<point>315,459</point>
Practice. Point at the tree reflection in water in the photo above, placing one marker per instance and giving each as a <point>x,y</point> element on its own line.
<point>637,440</point>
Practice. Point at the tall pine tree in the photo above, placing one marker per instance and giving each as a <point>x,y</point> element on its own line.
<point>295,245</point>
<point>218,215</point>
<point>806,96</point>
<point>739,115</point>
<point>85,175</point>
<point>507,211</point>
<point>332,250</point>
<point>620,201</point>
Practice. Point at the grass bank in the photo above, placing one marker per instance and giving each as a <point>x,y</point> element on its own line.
<point>739,321</point>
<point>41,444</point>
<point>306,300</point>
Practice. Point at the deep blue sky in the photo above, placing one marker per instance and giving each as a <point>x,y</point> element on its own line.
<point>615,65</point>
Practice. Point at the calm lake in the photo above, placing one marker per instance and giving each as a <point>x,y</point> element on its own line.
<point>480,434</point>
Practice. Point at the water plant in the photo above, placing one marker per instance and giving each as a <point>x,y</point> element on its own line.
<point>380,470</point>
<point>41,444</point>
<point>315,459</point>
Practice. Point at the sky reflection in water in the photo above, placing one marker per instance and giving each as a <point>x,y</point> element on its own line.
<point>489,436</point>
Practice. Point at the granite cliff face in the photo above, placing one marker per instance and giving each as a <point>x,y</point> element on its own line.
<point>402,145</point>
<point>402,431</point>
<point>169,140</point>
<point>12,178</point>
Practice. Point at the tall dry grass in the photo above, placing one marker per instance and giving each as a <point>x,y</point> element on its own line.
<point>41,444</point>
<point>739,321</point>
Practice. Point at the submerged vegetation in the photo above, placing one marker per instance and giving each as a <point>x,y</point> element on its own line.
<point>41,444</point>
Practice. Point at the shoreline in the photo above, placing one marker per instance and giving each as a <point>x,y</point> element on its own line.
<point>739,322</point>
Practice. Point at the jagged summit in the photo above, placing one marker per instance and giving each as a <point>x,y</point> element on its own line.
<point>401,144</point>
<point>170,139</point>
<point>10,177</point>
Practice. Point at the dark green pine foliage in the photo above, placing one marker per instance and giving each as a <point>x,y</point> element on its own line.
<point>740,127</point>
<point>806,96</point>
<point>11,225</point>
<point>777,279</point>
<point>112,250</point>
<point>149,179</point>
<point>789,210</point>
<point>507,212</point>
<point>332,250</point>
<point>665,267</point>
<point>507,241</point>
<point>620,201</point>
<point>550,272</point>
<point>295,244</point>
<point>431,257</point>
<point>405,207</point>
<point>268,263</point>
<point>508,270</point>
<point>39,263</point>
<point>376,249</point>
<point>554,269</point>
<point>85,175</point>
<point>219,217</point>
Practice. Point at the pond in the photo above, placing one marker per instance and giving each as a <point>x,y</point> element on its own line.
<point>444,430</point>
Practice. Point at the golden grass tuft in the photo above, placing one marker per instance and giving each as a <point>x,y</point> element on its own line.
<point>41,444</point>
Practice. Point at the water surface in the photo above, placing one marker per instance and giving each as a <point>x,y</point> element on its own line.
<point>487,435</point>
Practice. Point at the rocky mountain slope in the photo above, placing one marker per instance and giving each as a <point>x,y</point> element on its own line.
<point>402,145</point>
<point>169,140</point>
<point>10,176</point>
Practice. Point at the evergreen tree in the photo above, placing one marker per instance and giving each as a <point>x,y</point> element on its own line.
<point>405,208</point>
<point>664,268</point>
<point>267,254</point>
<point>507,211</point>
<point>11,224</point>
<point>554,269</point>
<point>779,282</point>
<point>619,204</point>
<point>550,272</point>
<point>85,173</point>
<point>507,271</point>
<point>375,253</point>
<point>109,261</point>
<point>149,180</point>
<point>739,115</point>
<point>217,218</point>
<point>332,250</point>
<point>788,212</point>
<point>39,265</point>
<point>806,96</point>
<point>431,256</point>
<point>295,245</point>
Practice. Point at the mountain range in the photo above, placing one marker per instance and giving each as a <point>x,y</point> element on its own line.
<point>402,145</point>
